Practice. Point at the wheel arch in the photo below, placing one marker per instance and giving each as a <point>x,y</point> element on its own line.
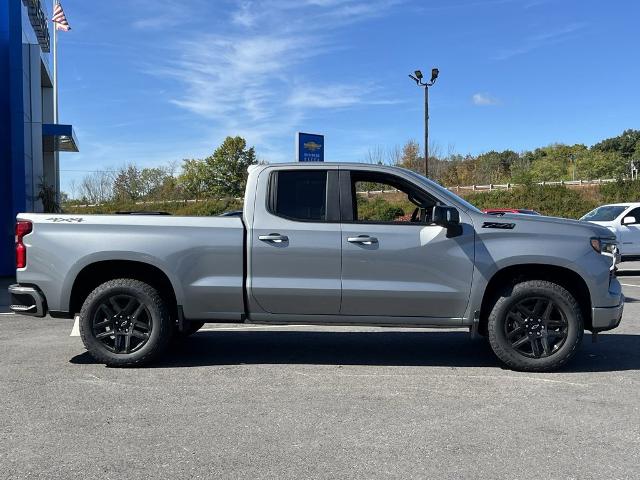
<point>510,275</point>
<point>97,273</point>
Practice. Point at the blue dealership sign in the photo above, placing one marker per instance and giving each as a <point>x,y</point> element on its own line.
<point>309,147</point>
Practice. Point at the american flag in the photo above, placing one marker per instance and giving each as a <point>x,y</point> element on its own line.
<point>59,18</point>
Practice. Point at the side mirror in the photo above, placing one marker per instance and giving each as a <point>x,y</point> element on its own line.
<point>449,218</point>
<point>445,216</point>
<point>628,220</point>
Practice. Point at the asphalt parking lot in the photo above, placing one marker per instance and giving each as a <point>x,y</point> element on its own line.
<point>305,402</point>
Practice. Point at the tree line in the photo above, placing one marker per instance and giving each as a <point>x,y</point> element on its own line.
<point>610,158</point>
<point>220,175</point>
<point>223,174</point>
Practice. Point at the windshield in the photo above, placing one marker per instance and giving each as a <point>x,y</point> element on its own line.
<point>606,213</point>
<point>443,191</point>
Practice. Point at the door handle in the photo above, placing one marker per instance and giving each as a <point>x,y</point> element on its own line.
<point>363,239</point>
<point>274,237</point>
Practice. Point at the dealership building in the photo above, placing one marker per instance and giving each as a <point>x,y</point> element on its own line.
<point>30,138</point>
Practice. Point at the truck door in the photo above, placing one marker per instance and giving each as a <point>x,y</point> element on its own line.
<point>630,233</point>
<point>394,261</point>
<point>295,242</point>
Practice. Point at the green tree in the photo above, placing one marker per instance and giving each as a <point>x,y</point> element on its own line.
<point>410,157</point>
<point>494,167</point>
<point>593,164</point>
<point>193,178</point>
<point>226,170</point>
<point>152,181</point>
<point>127,184</point>
<point>625,144</point>
<point>554,162</point>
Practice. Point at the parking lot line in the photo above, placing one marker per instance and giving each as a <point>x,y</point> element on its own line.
<point>75,331</point>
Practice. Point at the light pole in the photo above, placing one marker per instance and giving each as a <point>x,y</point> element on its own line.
<point>417,77</point>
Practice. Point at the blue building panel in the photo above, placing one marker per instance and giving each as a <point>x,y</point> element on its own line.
<point>12,155</point>
<point>28,150</point>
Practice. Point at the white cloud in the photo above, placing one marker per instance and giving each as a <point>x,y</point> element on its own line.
<point>161,14</point>
<point>484,100</point>
<point>249,79</point>
<point>542,39</point>
<point>245,15</point>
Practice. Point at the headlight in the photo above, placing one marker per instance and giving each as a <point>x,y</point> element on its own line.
<point>606,246</point>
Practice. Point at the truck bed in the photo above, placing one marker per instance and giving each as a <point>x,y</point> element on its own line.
<point>202,256</point>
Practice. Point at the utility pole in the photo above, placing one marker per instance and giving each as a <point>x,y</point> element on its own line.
<point>417,77</point>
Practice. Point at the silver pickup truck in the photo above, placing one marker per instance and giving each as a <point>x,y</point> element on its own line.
<point>310,247</point>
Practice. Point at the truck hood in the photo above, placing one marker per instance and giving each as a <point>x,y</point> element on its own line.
<point>603,224</point>
<point>532,220</point>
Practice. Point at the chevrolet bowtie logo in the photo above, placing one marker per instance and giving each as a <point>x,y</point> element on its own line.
<point>313,146</point>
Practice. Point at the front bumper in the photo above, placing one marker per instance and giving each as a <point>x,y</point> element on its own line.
<point>27,300</point>
<point>606,318</point>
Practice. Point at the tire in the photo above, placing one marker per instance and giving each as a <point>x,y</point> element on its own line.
<point>528,334</point>
<point>128,308</point>
<point>189,328</point>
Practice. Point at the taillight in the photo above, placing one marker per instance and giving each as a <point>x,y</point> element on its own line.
<point>22,228</point>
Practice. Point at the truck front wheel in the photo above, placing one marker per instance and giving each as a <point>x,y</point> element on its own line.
<point>535,326</point>
<point>125,323</point>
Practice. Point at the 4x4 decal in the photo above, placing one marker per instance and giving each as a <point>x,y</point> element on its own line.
<point>65,219</point>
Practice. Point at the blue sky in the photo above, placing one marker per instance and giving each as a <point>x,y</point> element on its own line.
<point>154,81</point>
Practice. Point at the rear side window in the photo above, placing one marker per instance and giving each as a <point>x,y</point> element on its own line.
<point>300,195</point>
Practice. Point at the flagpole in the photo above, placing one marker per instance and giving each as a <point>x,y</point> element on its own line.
<point>55,69</point>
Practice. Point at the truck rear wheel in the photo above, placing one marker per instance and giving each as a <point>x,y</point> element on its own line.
<point>535,326</point>
<point>125,323</point>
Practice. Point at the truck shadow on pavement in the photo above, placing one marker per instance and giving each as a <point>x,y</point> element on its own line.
<point>612,352</point>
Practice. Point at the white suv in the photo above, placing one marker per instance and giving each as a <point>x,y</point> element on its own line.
<point>623,219</point>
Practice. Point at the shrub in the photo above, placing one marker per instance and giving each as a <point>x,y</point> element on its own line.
<point>378,208</point>
<point>557,201</point>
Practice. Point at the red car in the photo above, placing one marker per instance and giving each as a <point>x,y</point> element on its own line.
<point>501,211</point>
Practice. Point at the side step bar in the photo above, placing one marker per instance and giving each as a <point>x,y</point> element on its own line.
<point>27,301</point>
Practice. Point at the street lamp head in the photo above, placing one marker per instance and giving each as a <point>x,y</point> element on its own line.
<point>418,74</point>
<point>434,74</point>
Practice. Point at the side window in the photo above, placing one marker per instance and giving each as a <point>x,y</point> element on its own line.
<point>634,213</point>
<point>380,198</point>
<point>300,195</point>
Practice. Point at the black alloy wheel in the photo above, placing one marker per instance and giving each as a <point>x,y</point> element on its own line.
<point>536,327</point>
<point>125,322</point>
<point>122,323</point>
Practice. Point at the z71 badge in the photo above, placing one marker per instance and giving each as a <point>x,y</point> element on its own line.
<point>65,219</point>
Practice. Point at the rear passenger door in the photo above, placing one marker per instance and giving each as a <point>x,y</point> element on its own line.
<point>295,242</point>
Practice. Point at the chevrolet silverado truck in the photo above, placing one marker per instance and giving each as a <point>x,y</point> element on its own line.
<point>316,244</point>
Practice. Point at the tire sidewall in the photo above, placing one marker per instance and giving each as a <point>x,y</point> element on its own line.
<point>564,301</point>
<point>157,311</point>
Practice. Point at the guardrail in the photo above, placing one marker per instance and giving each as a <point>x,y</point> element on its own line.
<point>509,186</point>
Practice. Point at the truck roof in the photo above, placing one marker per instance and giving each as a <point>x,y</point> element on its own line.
<point>319,164</point>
